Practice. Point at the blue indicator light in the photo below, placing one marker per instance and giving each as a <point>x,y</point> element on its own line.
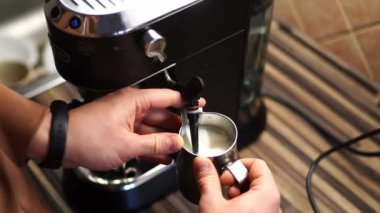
<point>75,22</point>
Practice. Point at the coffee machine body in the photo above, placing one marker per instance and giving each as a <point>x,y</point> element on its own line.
<point>101,46</point>
<point>103,52</point>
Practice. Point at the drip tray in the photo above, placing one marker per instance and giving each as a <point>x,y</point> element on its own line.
<point>130,187</point>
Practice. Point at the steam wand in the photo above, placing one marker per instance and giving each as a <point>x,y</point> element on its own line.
<point>193,117</point>
<point>191,94</point>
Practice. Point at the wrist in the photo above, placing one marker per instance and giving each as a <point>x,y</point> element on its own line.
<point>38,146</point>
<point>50,143</point>
<point>19,122</point>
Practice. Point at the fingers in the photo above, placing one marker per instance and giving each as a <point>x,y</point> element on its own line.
<point>158,98</point>
<point>162,98</point>
<point>164,119</point>
<point>145,129</point>
<point>233,191</point>
<point>260,176</point>
<point>259,173</point>
<point>208,179</point>
<point>257,168</point>
<point>262,184</point>
<point>156,144</point>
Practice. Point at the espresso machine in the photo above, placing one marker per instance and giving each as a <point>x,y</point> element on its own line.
<point>100,46</point>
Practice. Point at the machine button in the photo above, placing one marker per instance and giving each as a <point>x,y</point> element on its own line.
<point>75,22</point>
<point>154,45</point>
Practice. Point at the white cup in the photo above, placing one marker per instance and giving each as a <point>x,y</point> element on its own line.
<point>14,73</point>
<point>17,60</point>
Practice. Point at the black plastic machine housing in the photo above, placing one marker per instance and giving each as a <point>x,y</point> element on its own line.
<point>207,39</point>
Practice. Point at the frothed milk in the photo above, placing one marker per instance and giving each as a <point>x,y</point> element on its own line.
<point>213,140</point>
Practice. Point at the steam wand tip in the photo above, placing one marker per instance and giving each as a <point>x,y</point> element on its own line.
<point>193,118</point>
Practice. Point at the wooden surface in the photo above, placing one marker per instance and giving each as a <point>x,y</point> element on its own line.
<point>314,102</point>
<point>332,105</point>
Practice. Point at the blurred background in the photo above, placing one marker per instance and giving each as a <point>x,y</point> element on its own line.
<point>10,9</point>
<point>348,28</point>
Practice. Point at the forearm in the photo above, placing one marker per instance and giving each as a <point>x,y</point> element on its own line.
<point>19,120</point>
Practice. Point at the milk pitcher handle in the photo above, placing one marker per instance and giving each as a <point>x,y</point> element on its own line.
<point>238,170</point>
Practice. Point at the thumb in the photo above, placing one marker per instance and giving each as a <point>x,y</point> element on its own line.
<point>207,178</point>
<point>157,144</point>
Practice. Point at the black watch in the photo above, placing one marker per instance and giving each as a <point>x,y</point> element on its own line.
<point>57,135</point>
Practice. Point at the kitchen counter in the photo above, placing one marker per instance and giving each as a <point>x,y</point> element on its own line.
<point>314,101</point>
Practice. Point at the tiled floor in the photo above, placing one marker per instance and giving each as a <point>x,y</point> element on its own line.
<point>349,28</point>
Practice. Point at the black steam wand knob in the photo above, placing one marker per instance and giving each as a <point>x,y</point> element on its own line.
<point>192,91</point>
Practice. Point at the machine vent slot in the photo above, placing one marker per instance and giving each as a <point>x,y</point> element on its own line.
<point>101,4</point>
<point>111,2</point>
<point>96,4</point>
<point>74,2</point>
<point>88,3</point>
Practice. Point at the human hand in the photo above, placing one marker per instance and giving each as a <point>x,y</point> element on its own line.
<point>109,131</point>
<point>262,195</point>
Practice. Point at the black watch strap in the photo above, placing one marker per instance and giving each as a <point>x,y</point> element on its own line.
<point>57,135</point>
